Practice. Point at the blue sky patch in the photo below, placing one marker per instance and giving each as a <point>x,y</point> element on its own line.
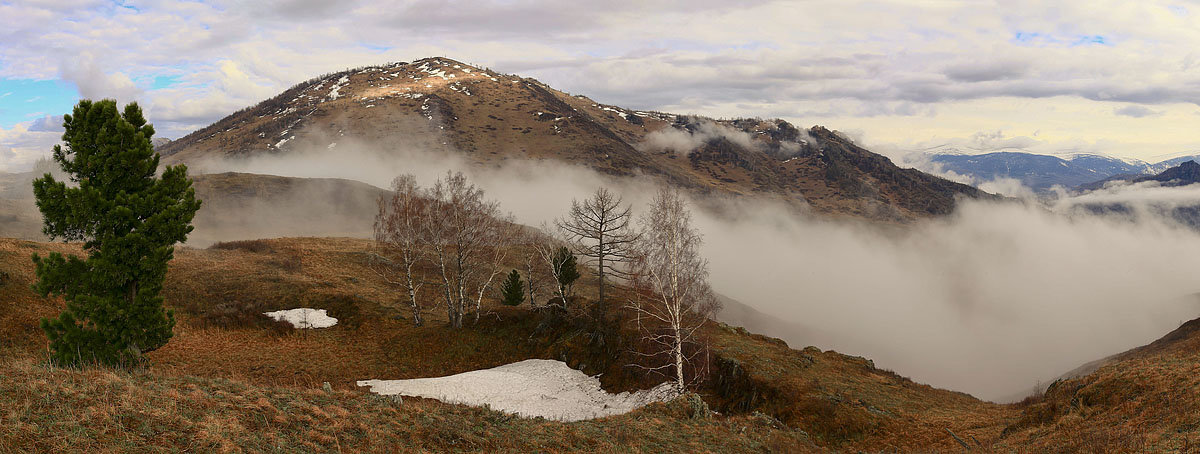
<point>377,48</point>
<point>26,99</point>
<point>164,82</point>
<point>1046,39</point>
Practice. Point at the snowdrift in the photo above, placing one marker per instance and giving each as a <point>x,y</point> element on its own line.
<point>304,318</point>
<point>535,387</point>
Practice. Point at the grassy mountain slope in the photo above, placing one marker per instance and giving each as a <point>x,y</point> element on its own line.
<point>223,344</point>
<point>489,118</point>
<point>230,374</point>
<point>1141,400</point>
<point>57,410</point>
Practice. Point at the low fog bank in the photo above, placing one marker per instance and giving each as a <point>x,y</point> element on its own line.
<point>990,301</point>
<point>244,206</point>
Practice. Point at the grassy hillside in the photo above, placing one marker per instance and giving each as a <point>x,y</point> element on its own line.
<point>1142,400</point>
<point>233,378</point>
<point>57,410</point>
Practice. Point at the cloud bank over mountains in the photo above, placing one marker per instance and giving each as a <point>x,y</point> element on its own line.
<point>1107,73</point>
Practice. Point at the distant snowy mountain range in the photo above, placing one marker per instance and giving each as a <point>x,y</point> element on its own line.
<point>1041,172</point>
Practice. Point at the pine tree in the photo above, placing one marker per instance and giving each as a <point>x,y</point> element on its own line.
<point>128,221</point>
<point>565,272</point>
<point>513,290</point>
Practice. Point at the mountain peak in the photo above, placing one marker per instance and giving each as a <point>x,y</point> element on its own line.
<point>1187,172</point>
<point>439,104</point>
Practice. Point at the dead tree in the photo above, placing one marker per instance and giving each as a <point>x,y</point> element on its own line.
<point>468,240</point>
<point>671,291</point>
<point>400,238</point>
<point>598,229</point>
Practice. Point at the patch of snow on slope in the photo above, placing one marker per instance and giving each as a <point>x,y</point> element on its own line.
<point>610,109</point>
<point>535,387</point>
<point>333,93</point>
<point>304,317</point>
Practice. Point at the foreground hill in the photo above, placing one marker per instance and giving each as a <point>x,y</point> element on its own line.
<point>232,378</point>
<point>489,118</point>
<point>225,355</point>
<point>1141,400</point>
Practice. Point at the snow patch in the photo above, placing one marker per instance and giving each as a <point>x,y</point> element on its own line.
<point>531,388</point>
<point>341,82</point>
<point>618,111</point>
<point>304,317</point>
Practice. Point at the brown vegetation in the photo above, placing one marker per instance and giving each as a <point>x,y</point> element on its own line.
<point>206,384</point>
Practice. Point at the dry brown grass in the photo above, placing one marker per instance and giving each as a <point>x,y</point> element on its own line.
<point>1147,400</point>
<point>844,402</point>
<point>258,379</point>
<point>58,410</point>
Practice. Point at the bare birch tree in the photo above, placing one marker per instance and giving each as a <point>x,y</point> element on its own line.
<point>670,282</point>
<point>536,275</point>
<point>598,229</point>
<point>560,264</point>
<point>468,239</point>
<point>399,238</point>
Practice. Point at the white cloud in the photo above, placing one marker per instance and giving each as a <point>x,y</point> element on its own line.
<point>683,141</point>
<point>891,68</point>
<point>1136,111</point>
<point>24,143</point>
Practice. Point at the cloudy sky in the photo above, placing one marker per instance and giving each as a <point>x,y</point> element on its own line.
<point>1113,77</point>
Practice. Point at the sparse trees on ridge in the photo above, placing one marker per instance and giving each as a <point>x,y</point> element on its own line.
<point>598,229</point>
<point>469,239</point>
<point>450,228</point>
<point>670,283</point>
<point>461,240</point>
<point>128,220</point>
<point>400,238</point>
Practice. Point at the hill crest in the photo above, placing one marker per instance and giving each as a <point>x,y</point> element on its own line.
<point>443,105</point>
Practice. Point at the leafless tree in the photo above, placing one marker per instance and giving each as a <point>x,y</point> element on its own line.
<point>670,283</point>
<point>598,229</point>
<point>469,239</point>
<point>400,238</point>
<point>536,275</point>
<point>547,247</point>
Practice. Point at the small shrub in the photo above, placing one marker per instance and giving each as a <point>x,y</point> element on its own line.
<point>512,292</point>
<point>290,261</point>
<point>697,406</point>
<point>257,246</point>
<point>234,314</point>
<point>3,277</point>
<point>345,308</point>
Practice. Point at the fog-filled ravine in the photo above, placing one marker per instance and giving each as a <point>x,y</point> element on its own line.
<point>992,300</point>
